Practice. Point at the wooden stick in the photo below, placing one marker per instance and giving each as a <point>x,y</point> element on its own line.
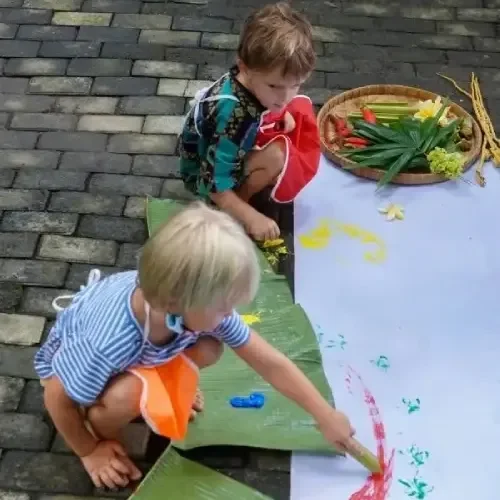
<point>364,456</point>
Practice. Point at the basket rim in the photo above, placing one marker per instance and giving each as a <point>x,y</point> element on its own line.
<point>394,90</point>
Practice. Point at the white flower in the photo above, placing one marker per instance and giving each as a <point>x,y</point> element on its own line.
<point>393,211</point>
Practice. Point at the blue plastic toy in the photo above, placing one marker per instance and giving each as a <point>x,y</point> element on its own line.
<point>255,400</point>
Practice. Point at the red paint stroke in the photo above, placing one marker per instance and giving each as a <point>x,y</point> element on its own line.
<point>376,486</point>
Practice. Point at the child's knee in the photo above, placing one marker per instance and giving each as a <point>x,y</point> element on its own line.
<point>123,393</point>
<point>206,352</point>
<point>270,159</point>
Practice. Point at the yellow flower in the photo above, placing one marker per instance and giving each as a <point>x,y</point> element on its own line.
<point>273,243</point>
<point>430,108</point>
<point>393,211</point>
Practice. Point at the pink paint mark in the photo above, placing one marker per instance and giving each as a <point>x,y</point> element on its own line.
<point>376,486</point>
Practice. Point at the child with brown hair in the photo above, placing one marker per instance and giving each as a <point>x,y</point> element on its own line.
<point>251,130</point>
<point>133,344</point>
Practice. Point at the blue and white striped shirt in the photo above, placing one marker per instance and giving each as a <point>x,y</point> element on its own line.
<point>98,336</point>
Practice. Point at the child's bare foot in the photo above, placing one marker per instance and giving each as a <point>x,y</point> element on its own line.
<point>198,404</point>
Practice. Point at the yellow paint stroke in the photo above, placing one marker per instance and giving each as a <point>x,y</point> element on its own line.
<point>353,231</point>
<point>250,319</point>
<point>317,238</point>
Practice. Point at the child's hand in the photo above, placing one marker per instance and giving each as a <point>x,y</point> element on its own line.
<point>337,430</point>
<point>109,466</point>
<point>262,228</point>
<point>289,123</point>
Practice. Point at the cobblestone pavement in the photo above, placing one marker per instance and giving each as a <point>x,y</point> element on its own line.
<point>92,93</point>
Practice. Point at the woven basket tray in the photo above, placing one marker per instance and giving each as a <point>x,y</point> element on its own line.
<point>352,100</point>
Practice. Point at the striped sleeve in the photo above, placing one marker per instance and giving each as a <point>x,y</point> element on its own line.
<point>83,370</point>
<point>233,331</point>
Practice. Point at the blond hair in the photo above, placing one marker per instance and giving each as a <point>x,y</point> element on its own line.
<point>199,258</point>
<point>277,36</point>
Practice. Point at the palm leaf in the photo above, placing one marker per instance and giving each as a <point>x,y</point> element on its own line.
<point>398,165</point>
<point>382,133</point>
<point>430,127</point>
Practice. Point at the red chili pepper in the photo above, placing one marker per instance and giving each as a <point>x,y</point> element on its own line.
<point>360,141</point>
<point>369,115</point>
<point>340,124</point>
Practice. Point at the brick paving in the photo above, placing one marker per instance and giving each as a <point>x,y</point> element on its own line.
<point>92,94</point>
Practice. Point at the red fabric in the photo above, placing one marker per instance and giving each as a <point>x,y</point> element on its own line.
<point>302,147</point>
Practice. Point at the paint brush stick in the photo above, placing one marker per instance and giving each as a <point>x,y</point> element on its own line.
<point>364,456</point>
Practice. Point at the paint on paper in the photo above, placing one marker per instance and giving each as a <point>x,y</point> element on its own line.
<point>416,488</point>
<point>382,362</point>
<point>411,405</point>
<point>319,237</point>
<point>376,486</point>
<point>416,456</point>
<point>250,319</point>
<point>340,342</point>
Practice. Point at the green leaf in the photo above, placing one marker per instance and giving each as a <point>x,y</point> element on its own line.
<point>384,133</point>
<point>443,136</point>
<point>419,161</point>
<point>398,165</point>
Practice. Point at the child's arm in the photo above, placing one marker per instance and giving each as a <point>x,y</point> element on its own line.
<point>289,380</point>
<point>256,224</point>
<point>67,419</point>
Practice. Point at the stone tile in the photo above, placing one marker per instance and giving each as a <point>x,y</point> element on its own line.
<point>20,329</point>
<point>163,124</point>
<point>135,207</point>
<point>128,185</point>
<point>108,34</point>
<point>30,103</point>
<point>220,41</point>
<point>18,48</point>
<point>173,87</point>
<point>86,203</point>
<point>123,86</point>
<point>53,4</point>
<point>133,51</point>
<point>39,222</point>
<point>43,121</point>
<point>128,255</point>
<point>151,105</point>
<point>25,16</point>
<point>99,67</point>
<point>171,38</point>
<point>323,34</point>
<point>11,495</point>
<point>11,389</point>
<point>117,6</point>
<point>175,190</point>
<point>22,199</point>
<point>143,21</point>
<point>97,162</point>
<point>60,85</point>
<point>18,245</point>
<point>110,124</point>
<point>82,19</point>
<point>74,249</point>
<point>119,229</point>
<point>13,85</point>
<point>24,432</point>
<point>73,141</point>
<point>8,30</point>
<point>54,33</point>
<point>488,15</point>
<point>10,296</point>
<point>38,300</point>
<point>70,49</point>
<point>467,29</point>
<point>32,398</point>
<point>7,178</point>
<point>202,24</point>
<point>197,56</point>
<point>83,105</point>
<point>164,69</point>
<point>33,272</point>
<point>24,158</point>
<point>78,274</point>
<point>156,165</point>
<point>32,471</point>
<point>17,361</point>
<point>487,44</point>
<point>194,85</point>
<point>10,139</point>
<point>141,144</point>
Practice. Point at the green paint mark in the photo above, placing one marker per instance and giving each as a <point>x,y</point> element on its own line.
<point>412,406</point>
<point>382,362</point>
<point>416,488</point>
<point>339,342</point>
<point>418,456</point>
<point>319,334</point>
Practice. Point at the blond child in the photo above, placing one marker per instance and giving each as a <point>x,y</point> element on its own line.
<point>132,343</point>
<point>251,130</point>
